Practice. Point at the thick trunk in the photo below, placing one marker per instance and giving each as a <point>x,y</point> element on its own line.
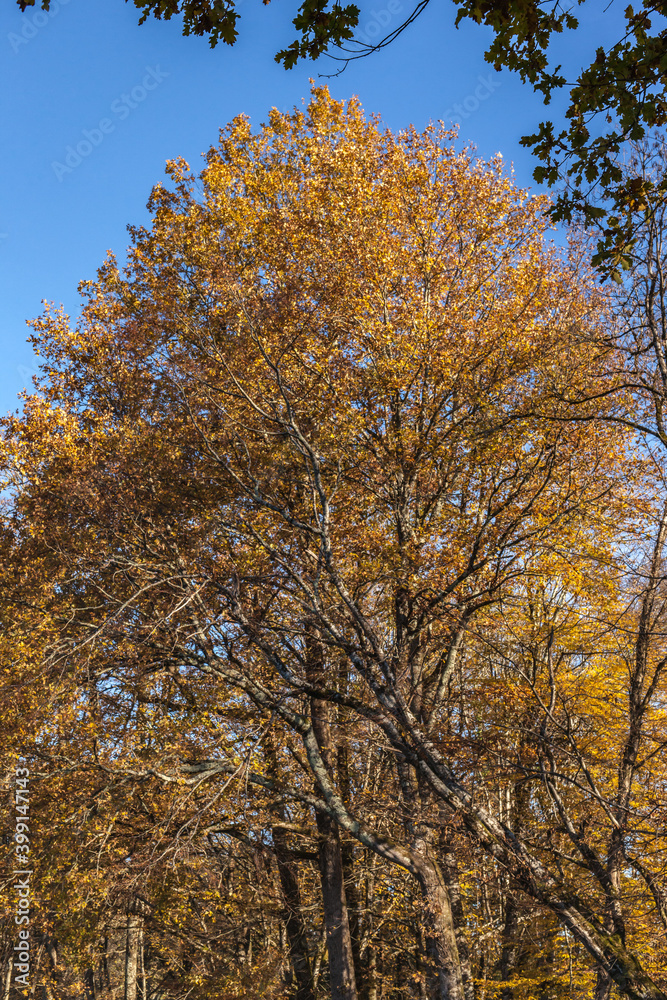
<point>444,974</point>
<point>510,946</point>
<point>353,897</point>
<point>89,984</point>
<point>339,940</point>
<point>142,967</point>
<point>106,974</point>
<point>450,873</point>
<point>603,983</point>
<point>294,925</point>
<point>352,891</point>
<point>131,956</point>
<point>371,978</point>
<point>445,980</point>
<point>291,894</point>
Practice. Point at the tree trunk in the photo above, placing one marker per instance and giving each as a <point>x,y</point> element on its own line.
<point>510,945</point>
<point>445,979</point>
<point>142,967</point>
<point>352,890</point>
<point>353,896</point>
<point>371,977</point>
<point>89,984</point>
<point>106,975</point>
<point>603,983</point>
<point>450,873</point>
<point>296,931</point>
<point>339,940</point>
<point>131,956</point>
<point>444,974</point>
<point>295,928</point>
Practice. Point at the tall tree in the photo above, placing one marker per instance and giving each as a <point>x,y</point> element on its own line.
<point>304,477</point>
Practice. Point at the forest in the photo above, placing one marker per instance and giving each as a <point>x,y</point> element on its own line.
<point>334,591</point>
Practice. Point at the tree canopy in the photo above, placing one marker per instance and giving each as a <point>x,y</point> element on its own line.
<point>334,594</point>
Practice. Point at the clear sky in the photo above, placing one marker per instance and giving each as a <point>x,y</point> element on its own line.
<point>132,97</point>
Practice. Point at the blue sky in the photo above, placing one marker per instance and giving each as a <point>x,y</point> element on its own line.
<point>132,97</point>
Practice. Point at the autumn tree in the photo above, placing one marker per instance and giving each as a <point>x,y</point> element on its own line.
<point>312,533</point>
